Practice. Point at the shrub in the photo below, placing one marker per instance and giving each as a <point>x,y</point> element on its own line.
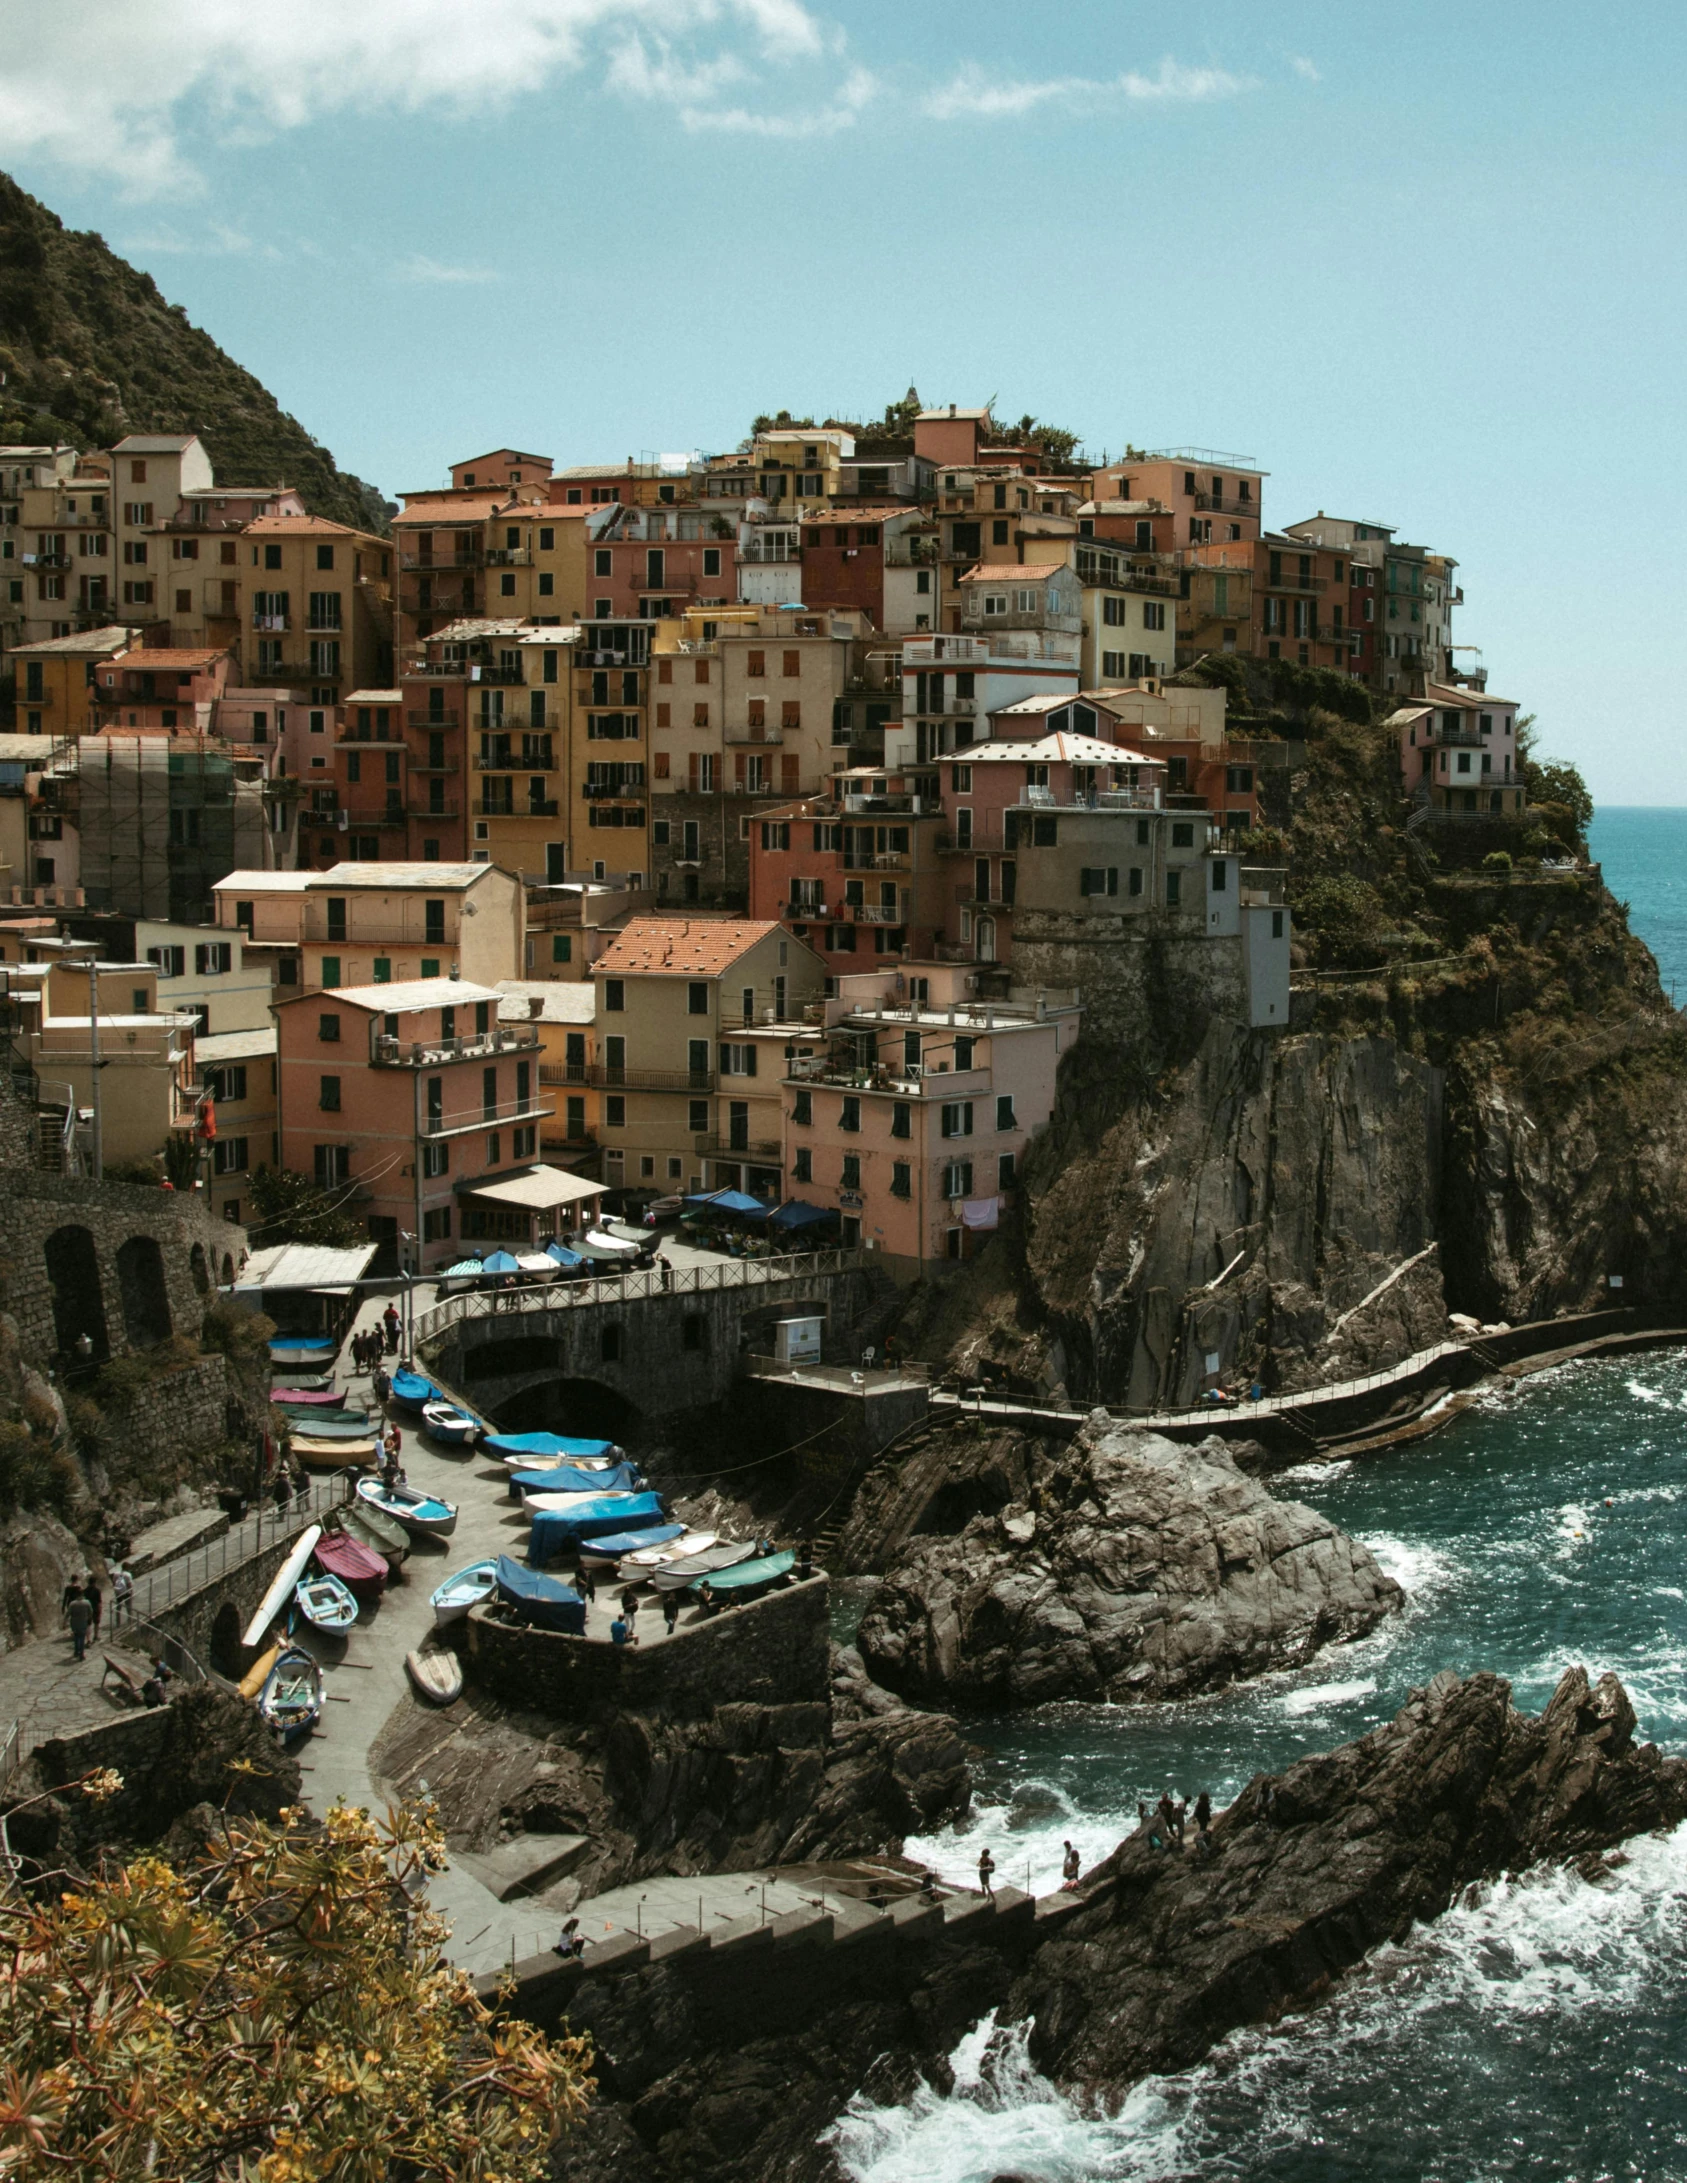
<point>1497,861</point>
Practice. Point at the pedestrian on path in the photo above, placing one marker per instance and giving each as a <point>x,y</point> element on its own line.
<point>670,1611</point>
<point>389,1320</point>
<point>80,1617</point>
<point>122,1595</point>
<point>73,1590</point>
<point>986,1872</point>
<point>380,1386</point>
<point>96,1600</point>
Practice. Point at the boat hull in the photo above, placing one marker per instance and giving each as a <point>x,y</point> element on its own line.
<point>290,1703</point>
<point>326,1604</point>
<point>424,1518</point>
<point>468,1588</point>
<point>370,1528</point>
<point>437,1676</point>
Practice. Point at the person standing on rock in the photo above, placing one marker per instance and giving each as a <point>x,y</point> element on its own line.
<point>1070,1866</point>
<point>986,1872</point>
<point>1203,1812</point>
<point>80,1615</point>
<point>1166,1813</point>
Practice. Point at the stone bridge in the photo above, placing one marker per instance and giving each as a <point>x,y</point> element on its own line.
<point>642,1347</point>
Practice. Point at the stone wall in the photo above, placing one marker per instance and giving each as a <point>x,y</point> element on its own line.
<point>191,1410</point>
<point>210,1620</point>
<point>772,1652</point>
<point>92,1293</point>
<point>1133,977</point>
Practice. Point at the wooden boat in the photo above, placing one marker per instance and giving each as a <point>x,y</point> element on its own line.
<point>370,1528</point>
<point>333,1454</point>
<point>358,1569</point>
<point>309,1398</point>
<point>257,1675</point>
<point>453,1599</point>
<point>312,1351</point>
<point>421,1514</point>
<point>309,1383</point>
<point>644,1559</point>
<point>281,1586</point>
<point>745,1576</point>
<point>325,1602</point>
<point>546,1602</point>
<point>410,1391</point>
<point>674,1576</point>
<point>438,1676</point>
<point>291,1699</point>
<point>604,1552</point>
<point>332,1425</point>
<point>445,1422</point>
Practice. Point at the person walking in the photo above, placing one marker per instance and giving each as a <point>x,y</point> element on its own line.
<point>73,1590</point>
<point>389,1320</point>
<point>80,1615</point>
<point>1203,1812</point>
<point>670,1611</point>
<point>96,1600</point>
<point>379,1384</point>
<point>986,1873</point>
<point>122,1594</point>
<point>585,1583</point>
<point>1070,1866</point>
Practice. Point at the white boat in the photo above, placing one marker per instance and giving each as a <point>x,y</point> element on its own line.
<point>550,1462</point>
<point>446,1423</point>
<point>281,1586</point>
<point>538,1503</point>
<point>453,1599</point>
<point>438,1676</point>
<point>421,1514</point>
<point>598,1245</point>
<point>636,1565</point>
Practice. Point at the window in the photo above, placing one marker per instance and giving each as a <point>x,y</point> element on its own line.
<point>697,1117</point>
<point>1276,924</point>
<point>171,961</point>
<point>850,1179</point>
<point>957,1179</point>
<point>213,959</point>
<point>227,1084</point>
<point>614,995</point>
<point>1098,879</point>
<point>328,1027</point>
<point>333,1166</point>
<point>562,947</point>
<point>615,1111</point>
<point>1153,614</point>
<point>1183,834</point>
<point>901,1118</point>
<point>957,1118</point>
<point>711,560</point>
<point>328,1098</point>
<point>756,664</point>
<point>229,1157</point>
<point>324,610</point>
<point>850,1114</point>
<point>1004,1171</point>
<point>602,562</point>
<point>524,1143</point>
<point>802,1107</point>
<point>436,1225</point>
<point>963,1053</point>
<point>1174,889</point>
<point>802,1165</point>
<point>737,1060</point>
<point>1004,1111</point>
<point>901,1179</point>
<point>383,970</point>
<point>1221,876</point>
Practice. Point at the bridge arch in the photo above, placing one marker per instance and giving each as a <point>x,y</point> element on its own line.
<point>588,1407</point>
<point>145,1294</point>
<point>73,1275</point>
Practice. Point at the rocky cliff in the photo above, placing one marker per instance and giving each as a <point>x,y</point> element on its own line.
<point>1134,1570</point>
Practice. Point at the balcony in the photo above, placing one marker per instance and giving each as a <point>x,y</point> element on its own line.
<point>804,912</point>
<point>562,1072</point>
<point>766,1150</point>
<point>464,1124</point>
<point>1296,583</point>
<point>509,557</point>
<point>516,761</point>
<point>441,720</point>
<point>458,670</point>
<point>431,765</point>
<point>895,1078</point>
<point>397,1053</point>
<point>289,671</point>
<point>1220,504</point>
<point>757,738</point>
<point>434,811</point>
<point>470,554</point>
<point>608,1077</point>
<point>546,809</point>
<point>873,913</point>
<point>876,860</point>
<point>272,625</point>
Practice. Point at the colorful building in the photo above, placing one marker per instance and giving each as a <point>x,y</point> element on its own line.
<point>1458,752</point>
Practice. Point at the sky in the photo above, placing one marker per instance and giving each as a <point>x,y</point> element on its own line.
<point>1425,266</point>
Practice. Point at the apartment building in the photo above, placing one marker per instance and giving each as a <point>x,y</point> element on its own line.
<point>796,466</point>
<point>1183,728</point>
<point>57,678</point>
<point>25,470</point>
<point>1365,545</point>
<point>151,472</point>
<point>912,1117</point>
<point>1212,498</point>
<point>201,970</point>
<point>770,552</point>
<point>1128,607</point>
<point>504,466</point>
<point>379,924</point>
<point>694,1016</point>
<point>440,541</point>
<point>881,563</point>
<point>456,684</point>
<point>604,679</point>
<point>148,1080</point>
<point>313,603</point>
<point>415,1107</point>
<point>66,551</point>
<point>161,688</point>
<point>1458,752</point>
<point>657,562</point>
<point>572,919</point>
<point>951,685</point>
<point>858,873</point>
<point>238,1073</point>
<point>564,1016</point>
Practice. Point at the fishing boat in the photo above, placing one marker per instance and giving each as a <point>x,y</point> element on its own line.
<point>357,1567</point>
<point>421,1514</point>
<point>291,1699</point>
<point>674,1576</point>
<point>325,1602</point>
<point>603,1552</point>
<point>641,1561</point>
<point>746,1576</point>
<point>445,1422</point>
<point>257,1675</point>
<point>309,1398</point>
<point>332,1424</point>
<point>562,1447</point>
<point>370,1528</point>
<point>313,1351</point>
<point>318,1454</point>
<point>560,1530</point>
<point>281,1585</point>
<point>536,1499</point>
<point>410,1391</point>
<point>562,1478</point>
<point>311,1383</point>
<point>545,1602</point>
<point>453,1599</point>
<point>438,1676</point>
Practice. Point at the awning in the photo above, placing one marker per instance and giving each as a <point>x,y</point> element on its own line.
<point>731,1201</point>
<point>539,1189</point>
<point>795,1214</point>
<point>305,1266</point>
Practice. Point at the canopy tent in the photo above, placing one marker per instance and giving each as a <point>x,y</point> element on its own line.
<point>539,1189</point>
<point>304,1266</point>
<point>795,1214</point>
<point>731,1201</point>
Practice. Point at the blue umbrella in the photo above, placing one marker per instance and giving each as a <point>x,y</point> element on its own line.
<point>795,1214</point>
<point>500,1262</point>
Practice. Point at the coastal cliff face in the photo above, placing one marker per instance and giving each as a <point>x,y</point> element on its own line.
<point>1138,1570</point>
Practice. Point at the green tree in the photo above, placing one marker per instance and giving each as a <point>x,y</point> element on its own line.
<point>288,1209</point>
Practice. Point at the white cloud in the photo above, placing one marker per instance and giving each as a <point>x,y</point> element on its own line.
<point>840,111</point>
<point>419,268</point>
<point>972,95</point>
<point>113,86</point>
<point>1308,71</point>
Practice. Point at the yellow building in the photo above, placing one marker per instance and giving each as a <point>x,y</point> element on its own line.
<point>315,606</point>
<point>685,1008</point>
<point>56,680</point>
<point>595,683</point>
<point>148,1085</point>
<point>565,1016</point>
<point>379,924</point>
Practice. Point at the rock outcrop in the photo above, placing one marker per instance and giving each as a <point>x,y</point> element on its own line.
<point>1139,1570</point>
<point>1306,1872</point>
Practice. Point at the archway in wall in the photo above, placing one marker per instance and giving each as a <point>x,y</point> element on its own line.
<point>73,1273</point>
<point>225,1647</point>
<point>146,1300</point>
<point>506,1359</point>
<point>586,1407</point>
<point>200,1271</point>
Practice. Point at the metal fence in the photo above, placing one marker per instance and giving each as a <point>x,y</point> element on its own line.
<point>618,1288</point>
<point>191,1572</point>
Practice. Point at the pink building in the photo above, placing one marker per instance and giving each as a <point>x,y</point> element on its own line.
<point>913,1124</point>
<point>653,563</point>
<point>417,1108</point>
<point>162,688</point>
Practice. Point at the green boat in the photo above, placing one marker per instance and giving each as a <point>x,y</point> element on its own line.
<point>384,1533</point>
<point>745,1576</point>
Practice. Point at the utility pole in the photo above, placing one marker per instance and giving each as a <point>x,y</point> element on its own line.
<point>94,1060</point>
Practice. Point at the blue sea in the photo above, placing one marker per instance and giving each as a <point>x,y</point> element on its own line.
<point>1643,849</point>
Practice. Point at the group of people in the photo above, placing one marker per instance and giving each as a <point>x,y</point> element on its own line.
<point>82,1606</point>
<point>1168,1823</point>
<point>624,1629</point>
<point>370,1344</point>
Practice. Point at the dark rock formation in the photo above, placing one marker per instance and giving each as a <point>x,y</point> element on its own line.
<point>1347,1849</point>
<point>1145,1570</point>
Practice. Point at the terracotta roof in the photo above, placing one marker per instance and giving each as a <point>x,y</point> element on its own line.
<point>182,662</point>
<point>98,642</point>
<point>441,513</point>
<point>683,947</point>
<point>1012,572</point>
<point>511,454</point>
<point>300,526</point>
<point>1439,693</point>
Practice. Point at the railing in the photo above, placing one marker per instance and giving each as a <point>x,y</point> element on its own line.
<point>460,670</point>
<point>397,1053</point>
<point>432,719</point>
<point>496,1117</point>
<point>873,913</point>
<point>1296,583</point>
<point>878,860</point>
<point>611,1078</point>
<point>765,1149</point>
<point>508,761</point>
<point>809,911</point>
<point>509,557</point>
<point>434,811</point>
<point>630,1286</point>
<point>460,557</point>
<point>1219,504</point>
<point>432,765</point>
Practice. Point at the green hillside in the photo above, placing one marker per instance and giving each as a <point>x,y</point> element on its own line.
<point>91,350</point>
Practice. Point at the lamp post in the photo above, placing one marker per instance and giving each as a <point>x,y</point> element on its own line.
<point>92,961</point>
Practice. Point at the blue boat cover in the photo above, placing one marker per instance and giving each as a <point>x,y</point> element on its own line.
<point>794,1213</point>
<point>548,1444</point>
<point>544,1601</point>
<point>555,1530</point>
<point>304,1341</point>
<point>564,1478</point>
<point>500,1262</point>
<point>410,1387</point>
<point>618,1543</point>
<point>563,1255</point>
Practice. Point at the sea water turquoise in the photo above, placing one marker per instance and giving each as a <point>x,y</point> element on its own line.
<point>1537,2031</point>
